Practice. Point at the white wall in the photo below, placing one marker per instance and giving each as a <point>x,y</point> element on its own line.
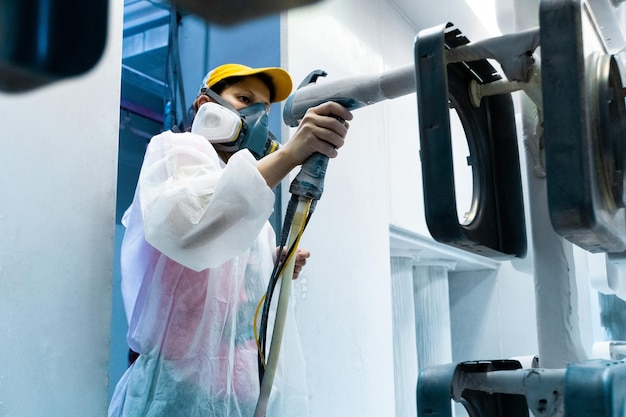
<point>343,299</point>
<point>58,164</point>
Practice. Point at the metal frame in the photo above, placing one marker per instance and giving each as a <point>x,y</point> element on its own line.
<point>583,129</point>
<point>593,388</point>
<point>496,227</point>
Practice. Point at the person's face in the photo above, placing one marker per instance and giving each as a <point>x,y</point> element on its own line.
<point>248,91</point>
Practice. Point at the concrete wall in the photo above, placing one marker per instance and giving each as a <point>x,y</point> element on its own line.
<point>58,163</point>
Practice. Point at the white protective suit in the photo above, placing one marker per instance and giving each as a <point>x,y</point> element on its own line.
<point>196,257</point>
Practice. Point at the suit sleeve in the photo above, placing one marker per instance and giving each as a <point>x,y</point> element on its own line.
<point>195,210</point>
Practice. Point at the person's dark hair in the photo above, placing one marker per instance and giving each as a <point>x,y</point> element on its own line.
<point>221,85</point>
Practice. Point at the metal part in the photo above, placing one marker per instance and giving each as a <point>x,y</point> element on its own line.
<point>477,91</point>
<point>495,226</point>
<point>594,388</point>
<point>438,385</point>
<point>227,12</point>
<point>584,129</point>
<point>40,44</point>
<point>514,53</point>
<point>543,388</point>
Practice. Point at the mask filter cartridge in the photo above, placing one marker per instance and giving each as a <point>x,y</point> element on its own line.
<point>216,123</point>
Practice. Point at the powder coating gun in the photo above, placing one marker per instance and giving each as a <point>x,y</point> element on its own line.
<point>354,93</point>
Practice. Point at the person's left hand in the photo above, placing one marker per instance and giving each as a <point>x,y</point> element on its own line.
<point>301,257</point>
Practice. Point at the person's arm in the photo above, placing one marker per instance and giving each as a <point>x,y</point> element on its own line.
<point>196,211</point>
<point>322,129</point>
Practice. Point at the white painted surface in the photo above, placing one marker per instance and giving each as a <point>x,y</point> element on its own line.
<point>343,299</point>
<point>58,164</point>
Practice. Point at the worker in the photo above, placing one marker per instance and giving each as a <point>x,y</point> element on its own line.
<point>198,250</point>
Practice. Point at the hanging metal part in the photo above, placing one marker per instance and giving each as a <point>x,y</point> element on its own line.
<point>514,52</point>
<point>477,91</point>
<point>226,12</point>
<point>611,125</point>
<point>495,225</point>
<point>594,388</point>
<point>584,130</point>
<point>43,41</point>
<point>438,385</point>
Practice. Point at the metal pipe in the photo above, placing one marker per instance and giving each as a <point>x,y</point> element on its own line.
<point>512,51</point>
<point>544,389</point>
<point>352,93</point>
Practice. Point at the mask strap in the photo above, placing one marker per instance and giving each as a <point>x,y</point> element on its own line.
<point>218,99</point>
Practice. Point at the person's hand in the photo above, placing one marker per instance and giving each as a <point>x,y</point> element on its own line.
<point>322,129</point>
<point>301,257</point>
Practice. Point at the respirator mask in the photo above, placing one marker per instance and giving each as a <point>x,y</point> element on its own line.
<point>230,130</point>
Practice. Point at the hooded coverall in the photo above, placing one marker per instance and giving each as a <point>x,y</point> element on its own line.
<point>196,257</point>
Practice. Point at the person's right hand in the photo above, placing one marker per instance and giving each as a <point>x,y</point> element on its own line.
<point>322,129</point>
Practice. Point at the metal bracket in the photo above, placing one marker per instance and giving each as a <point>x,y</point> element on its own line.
<point>72,46</point>
<point>593,388</point>
<point>584,128</point>
<point>437,385</point>
<point>496,225</point>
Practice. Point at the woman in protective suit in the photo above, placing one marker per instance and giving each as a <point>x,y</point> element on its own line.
<point>198,251</point>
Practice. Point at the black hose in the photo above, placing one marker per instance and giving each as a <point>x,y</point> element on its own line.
<point>278,266</point>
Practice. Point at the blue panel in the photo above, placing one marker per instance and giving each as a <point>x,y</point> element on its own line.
<point>255,43</point>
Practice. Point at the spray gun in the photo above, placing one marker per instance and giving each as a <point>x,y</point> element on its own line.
<point>353,93</point>
<point>309,182</point>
